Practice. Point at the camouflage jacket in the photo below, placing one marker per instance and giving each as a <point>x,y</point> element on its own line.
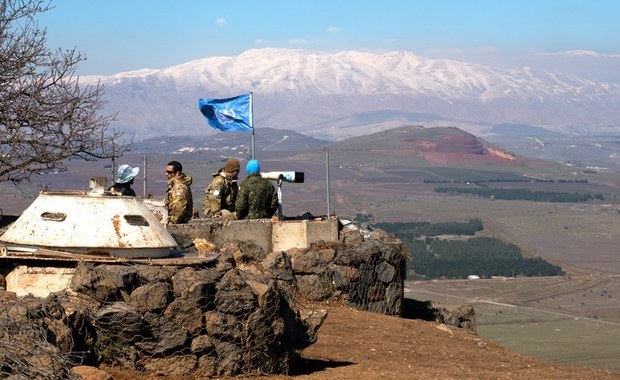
<point>220,195</point>
<point>179,201</point>
<point>257,198</point>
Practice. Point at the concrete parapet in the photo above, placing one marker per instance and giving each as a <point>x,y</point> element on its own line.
<point>269,235</point>
<point>38,281</point>
<point>302,233</point>
<point>220,232</point>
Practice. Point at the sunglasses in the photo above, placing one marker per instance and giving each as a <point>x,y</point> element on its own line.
<point>170,171</point>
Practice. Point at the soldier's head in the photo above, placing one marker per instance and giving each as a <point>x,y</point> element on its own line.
<point>173,169</point>
<point>253,167</point>
<point>232,167</point>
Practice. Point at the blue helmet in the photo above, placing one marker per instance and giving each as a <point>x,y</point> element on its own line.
<point>253,167</point>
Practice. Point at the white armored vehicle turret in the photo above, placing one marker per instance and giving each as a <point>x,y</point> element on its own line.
<point>91,223</point>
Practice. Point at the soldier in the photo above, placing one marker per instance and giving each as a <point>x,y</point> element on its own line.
<point>257,196</point>
<point>178,201</point>
<point>126,174</point>
<point>221,193</point>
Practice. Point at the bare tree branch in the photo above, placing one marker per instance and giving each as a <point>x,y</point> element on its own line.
<point>45,116</point>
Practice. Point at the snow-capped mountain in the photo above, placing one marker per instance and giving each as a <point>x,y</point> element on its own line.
<point>351,93</point>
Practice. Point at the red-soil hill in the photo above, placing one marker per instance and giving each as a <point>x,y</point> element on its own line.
<point>436,146</point>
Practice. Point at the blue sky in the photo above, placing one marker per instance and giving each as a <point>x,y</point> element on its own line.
<point>124,35</point>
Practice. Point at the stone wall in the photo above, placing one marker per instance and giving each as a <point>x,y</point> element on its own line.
<point>365,267</point>
<point>365,272</point>
<point>172,321</point>
<point>239,315</point>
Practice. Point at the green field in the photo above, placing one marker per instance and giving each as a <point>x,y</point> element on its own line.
<point>565,320</point>
<point>554,338</point>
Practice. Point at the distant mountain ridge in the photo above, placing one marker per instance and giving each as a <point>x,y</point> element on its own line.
<point>406,146</point>
<point>334,96</point>
<point>266,140</point>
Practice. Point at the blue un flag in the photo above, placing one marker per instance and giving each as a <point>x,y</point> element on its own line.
<point>231,114</point>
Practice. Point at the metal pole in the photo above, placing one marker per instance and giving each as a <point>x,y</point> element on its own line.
<point>280,198</point>
<point>144,160</point>
<point>327,179</point>
<point>253,156</point>
<point>113,160</point>
<point>252,124</point>
<point>113,163</point>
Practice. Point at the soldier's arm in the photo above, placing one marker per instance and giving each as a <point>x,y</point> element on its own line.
<point>241,205</point>
<point>212,203</point>
<point>178,204</point>
<point>274,202</point>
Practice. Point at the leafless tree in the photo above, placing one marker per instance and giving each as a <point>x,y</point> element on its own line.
<point>45,116</point>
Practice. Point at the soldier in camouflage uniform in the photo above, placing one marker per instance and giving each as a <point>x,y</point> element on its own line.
<point>178,201</point>
<point>221,193</point>
<point>257,196</point>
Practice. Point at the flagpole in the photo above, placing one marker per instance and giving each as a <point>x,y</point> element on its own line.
<point>327,180</point>
<point>144,161</point>
<point>252,122</point>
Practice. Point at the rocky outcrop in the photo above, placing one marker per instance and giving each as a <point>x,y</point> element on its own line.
<point>238,315</point>
<point>173,321</point>
<point>33,342</point>
<point>365,269</point>
<point>459,316</point>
